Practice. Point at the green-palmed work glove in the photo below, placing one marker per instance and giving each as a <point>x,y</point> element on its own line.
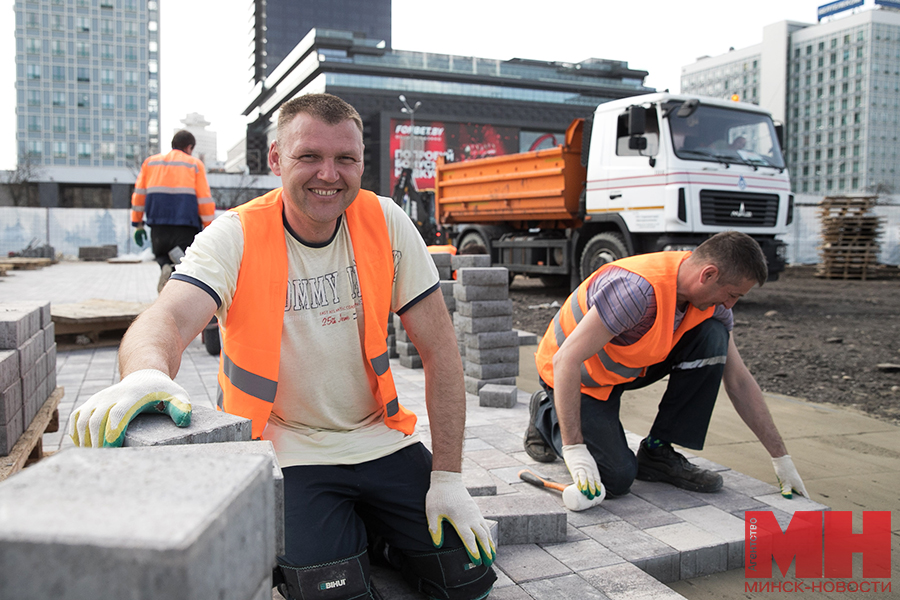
<point>788,478</point>
<point>101,421</point>
<point>140,236</point>
<point>584,471</point>
<point>448,499</point>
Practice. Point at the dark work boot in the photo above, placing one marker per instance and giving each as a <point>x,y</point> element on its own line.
<point>535,446</point>
<point>664,464</point>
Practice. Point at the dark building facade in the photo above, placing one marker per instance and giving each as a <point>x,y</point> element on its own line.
<point>279,24</point>
<point>464,107</point>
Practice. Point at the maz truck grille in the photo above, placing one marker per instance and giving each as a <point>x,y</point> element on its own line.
<point>738,208</point>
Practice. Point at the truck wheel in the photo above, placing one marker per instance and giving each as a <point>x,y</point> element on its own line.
<point>601,249</point>
<point>472,238</point>
<point>212,342</point>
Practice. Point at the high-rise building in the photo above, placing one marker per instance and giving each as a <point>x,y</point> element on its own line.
<point>836,87</point>
<point>278,25</point>
<point>205,149</point>
<point>87,82</point>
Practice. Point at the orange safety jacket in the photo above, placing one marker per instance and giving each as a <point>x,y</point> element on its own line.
<point>251,340</point>
<point>172,189</point>
<point>614,364</point>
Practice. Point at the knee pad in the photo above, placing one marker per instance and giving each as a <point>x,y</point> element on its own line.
<point>346,579</point>
<point>447,575</point>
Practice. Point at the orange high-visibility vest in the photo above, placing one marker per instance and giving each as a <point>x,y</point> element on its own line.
<point>251,342</point>
<point>172,189</point>
<point>615,365</point>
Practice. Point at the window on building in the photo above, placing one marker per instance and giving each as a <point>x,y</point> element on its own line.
<point>33,97</point>
<point>130,53</point>
<point>33,71</point>
<point>107,150</point>
<point>84,100</point>
<point>84,125</point>
<point>59,124</point>
<point>84,74</point>
<point>131,78</point>
<point>59,73</point>
<point>108,101</point>
<point>35,148</point>
<point>107,77</point>
<point>130,102</point>
<point>131,151</point>
<point>59,98</point>
<point>131,127</point>
<point>59,149</point>
<point>34,123</point>
<point>107,126</point>
<point>82,50</point>
<point>33,46</point>
<point>130,5</point>
<point>107,52</point>
<point>107,27</point>
<point>131,29</point>
<point>153,108</point>
<point>57,23</point>
<point>846,39</point>
<point>58,48</point>
<point>84,149</point>
<point>82,24</point>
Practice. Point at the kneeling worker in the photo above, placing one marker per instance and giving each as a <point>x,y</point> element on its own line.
<point>303,281</point>
<point>629,324</point>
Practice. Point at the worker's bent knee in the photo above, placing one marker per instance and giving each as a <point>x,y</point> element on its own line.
<point>447,575</point>
<point>346,579</point>
<point>618,481</point>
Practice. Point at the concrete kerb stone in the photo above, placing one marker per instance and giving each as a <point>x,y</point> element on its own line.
<point>466,324</point>
<point>539,520</point>
<point>207,426</point>
<point>478,276</point>
<point>491,339</point>
<point>474,384</point>
<point>472,293</point>
<point>498,396</point>
<point>17,324</point>
<point>468,261</point>
<point>195,528</point>
<point>485,308</point>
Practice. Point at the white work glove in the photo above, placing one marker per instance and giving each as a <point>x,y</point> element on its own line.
<point>788,478</point>
<point>449,499</point>
<point>583,469</point>
<point>101,421</point>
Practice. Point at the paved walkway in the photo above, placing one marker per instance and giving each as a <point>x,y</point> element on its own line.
<point>658,542</point>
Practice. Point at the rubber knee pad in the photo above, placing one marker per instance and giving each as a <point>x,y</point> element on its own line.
<point>448,575</point>
<point>338,580</point>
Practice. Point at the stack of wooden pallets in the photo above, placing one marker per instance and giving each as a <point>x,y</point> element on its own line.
<point>850,233</point>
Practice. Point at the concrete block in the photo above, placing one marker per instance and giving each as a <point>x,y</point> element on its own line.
<point>468,261</point>
<point>406,349</point>
<point>498,396</point>
<point>447,287</point>
<point>639,512</point>
<point>450,303</point>
<point>477,479</point>
<point>17,325</point>
<point>485,308</point>
<point>637,547</point>
<point>465,324</point>
<point>728,527</point>
<point>30,381</point>
<point>626,582</point>
<point>445,273</point>
<point>702,553</point>
<point>566,586</point>
<point>526,338</point>
<point>31,351</point>
<point>10,432</point>
<point>31,405</point>
<point>400,335</point>
<point>10,401</point>
<point>584,554</point>
<point>528,562</point>
<point>491,339</point>
<point>474,384</point>
<point>262,448</point>
<point>207,426</point>
<point>41,306</point>
<point>665,496</point>
<point>49,334</point>
<point>167,528</point>
<point>442,259</point>
<point>469,293</point>
<point>411,362</point>
<point>539,520</point>
<point>494,371</point>
<point>486,276</point>
<point>508,354</point>
<point>395,319</point>
<point>9,368</point>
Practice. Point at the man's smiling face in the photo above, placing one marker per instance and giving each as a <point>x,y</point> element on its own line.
<point>321,168</point>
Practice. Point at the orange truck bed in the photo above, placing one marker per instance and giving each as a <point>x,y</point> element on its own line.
<point>540,186</point>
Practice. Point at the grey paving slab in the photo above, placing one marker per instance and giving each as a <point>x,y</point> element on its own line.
<point>639,512</point>
<point>583,555</point>
<point>528,562</point>
<point>627,582</point>
<point>702,553</point>
<point>563,588</point>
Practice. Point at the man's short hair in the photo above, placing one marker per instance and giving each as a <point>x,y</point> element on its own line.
<point>324,107</point>
<point>182,139</point>
<point>736,255</point>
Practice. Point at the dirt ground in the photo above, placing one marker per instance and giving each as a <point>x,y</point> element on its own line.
<point>830,341</point>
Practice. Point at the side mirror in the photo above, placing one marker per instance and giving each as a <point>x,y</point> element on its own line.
<point>637,142</point>
<point>637,121</point>
<point>779,134</point>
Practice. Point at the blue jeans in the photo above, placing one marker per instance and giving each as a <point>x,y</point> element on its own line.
<point>695,367</point>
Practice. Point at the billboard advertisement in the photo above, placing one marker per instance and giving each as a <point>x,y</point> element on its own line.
<point>454,141</point>
<point>835,7</point>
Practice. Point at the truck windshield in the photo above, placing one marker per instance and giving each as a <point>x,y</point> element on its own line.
<point>726,135</point>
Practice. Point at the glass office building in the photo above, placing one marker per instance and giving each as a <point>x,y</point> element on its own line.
<point>836,87</point>
<point>87,82</point>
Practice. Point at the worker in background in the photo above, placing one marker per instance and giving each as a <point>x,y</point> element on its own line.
<point>631,323</point>
<point>171,195</point>
<point>312,372</point>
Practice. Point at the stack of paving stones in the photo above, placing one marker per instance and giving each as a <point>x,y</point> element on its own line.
<point>150,523</point>
<point>483,322</point>
<point>461,261</point>
<point>406,351</point>
<point>98,252</point>
<point>628,547</point>
<point>27,367</point>
<point>391,338</point>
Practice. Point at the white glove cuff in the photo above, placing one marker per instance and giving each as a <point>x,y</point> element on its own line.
<point>445,477</point>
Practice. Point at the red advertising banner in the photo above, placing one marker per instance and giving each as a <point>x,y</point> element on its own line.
<point>455,141</point>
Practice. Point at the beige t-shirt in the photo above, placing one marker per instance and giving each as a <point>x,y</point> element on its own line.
<point>324,411</point>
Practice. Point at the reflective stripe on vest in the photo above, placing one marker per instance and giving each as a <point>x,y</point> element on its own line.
<point>614,365</point>
<point>251,344</point>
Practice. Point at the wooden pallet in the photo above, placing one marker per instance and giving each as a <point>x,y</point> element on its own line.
<point>849,231</point>
<point>30,447</point>
<point>24,263</point>
<point>93,323</point>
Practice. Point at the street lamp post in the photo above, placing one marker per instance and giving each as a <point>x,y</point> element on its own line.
<point>411,111</point>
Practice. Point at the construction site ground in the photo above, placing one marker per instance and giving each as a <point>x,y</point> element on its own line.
<point>848,458</point>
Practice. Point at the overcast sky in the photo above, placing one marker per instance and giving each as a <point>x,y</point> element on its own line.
<point>205,45</point>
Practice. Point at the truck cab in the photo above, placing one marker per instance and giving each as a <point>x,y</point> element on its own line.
<point>664,172</point>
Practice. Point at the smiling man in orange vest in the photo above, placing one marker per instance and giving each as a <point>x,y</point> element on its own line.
<point>629,324</point>
<point>303,281</point>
